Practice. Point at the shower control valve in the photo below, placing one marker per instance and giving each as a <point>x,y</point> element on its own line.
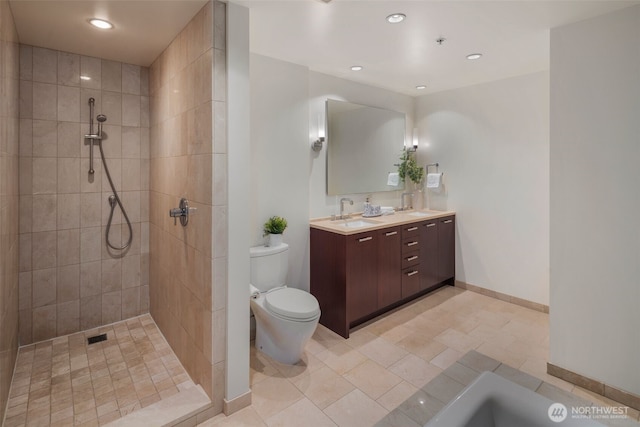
<point>182,211</point>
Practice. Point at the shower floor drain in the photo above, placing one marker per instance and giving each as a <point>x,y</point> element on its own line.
<point>97,338</point>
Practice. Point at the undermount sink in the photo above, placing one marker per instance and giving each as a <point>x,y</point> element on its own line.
<point>421,214</point>
<point>358,224</point>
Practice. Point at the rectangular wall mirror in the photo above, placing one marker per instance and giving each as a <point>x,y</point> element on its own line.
<point>363,145</point>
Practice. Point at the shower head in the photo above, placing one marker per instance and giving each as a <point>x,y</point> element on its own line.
<point>101,119</point>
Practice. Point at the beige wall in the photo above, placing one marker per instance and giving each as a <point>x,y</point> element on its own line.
<point>502,243</point>
<point>9,73</point>
<point>188,159</point>
<point>69,281</point>
<point>595,243</point>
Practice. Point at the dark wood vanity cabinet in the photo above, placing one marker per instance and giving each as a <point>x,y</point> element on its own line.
<point>344,277</point>
<point>389,263</point>
<point>360,276</point>
<point>429,277</point>
<point>328,272</point>
<point>446,249</point>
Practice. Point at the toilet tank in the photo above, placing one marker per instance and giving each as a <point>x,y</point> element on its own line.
<point>269,266</point>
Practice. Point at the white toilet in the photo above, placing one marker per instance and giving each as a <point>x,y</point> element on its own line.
<point>285,317</point>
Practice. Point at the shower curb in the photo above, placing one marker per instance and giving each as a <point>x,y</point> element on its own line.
<point>168,412</point>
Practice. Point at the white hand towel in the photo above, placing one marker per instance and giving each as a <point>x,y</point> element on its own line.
<point>434,180</point>
<point>387,210</point>
<point>394,179</point>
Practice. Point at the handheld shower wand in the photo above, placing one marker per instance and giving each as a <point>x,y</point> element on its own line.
<point>114,199</point>
<point>101,119</point>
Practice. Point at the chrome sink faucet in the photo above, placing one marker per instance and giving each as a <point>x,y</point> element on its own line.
<point>402,204</point>
<point>342,214</point>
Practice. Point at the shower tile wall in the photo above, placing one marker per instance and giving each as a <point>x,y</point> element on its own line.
<point>9,75</point>
<point>188,159</point>
<point>69,281</point>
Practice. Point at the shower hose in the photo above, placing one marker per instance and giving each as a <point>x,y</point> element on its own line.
<point>113,200</point>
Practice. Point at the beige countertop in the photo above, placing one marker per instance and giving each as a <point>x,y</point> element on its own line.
<point>340,226</point>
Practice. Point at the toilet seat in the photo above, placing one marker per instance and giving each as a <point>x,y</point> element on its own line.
<point>292,304</point>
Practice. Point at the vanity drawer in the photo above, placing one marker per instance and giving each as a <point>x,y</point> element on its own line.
<point>410,259</point>
<point>410,230</point>
<point>410,281</point>
<point>410,244</point>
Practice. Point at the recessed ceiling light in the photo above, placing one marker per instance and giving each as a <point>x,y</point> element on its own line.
<point>396,18</point>
<point>101,23</point>
<point>420,87</point>
<point>85,78</point>
<point>356,68</point>
<point>474,56</point>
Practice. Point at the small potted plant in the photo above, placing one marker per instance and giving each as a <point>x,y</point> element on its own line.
<point>273,228</point>
<point>409,168</point>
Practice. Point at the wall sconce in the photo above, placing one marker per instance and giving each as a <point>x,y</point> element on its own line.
<point>317,144</point>
<point>414,147</point>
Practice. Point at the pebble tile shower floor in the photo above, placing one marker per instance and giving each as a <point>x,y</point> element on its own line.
<point>64,381</point>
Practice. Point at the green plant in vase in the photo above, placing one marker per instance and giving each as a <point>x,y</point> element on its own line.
<point>273,228</point>
<point>409,168</point>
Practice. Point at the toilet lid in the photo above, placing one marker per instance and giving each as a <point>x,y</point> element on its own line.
<point>292,303</point>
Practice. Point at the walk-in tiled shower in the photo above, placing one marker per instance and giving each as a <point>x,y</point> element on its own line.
<point>162,127</point>
<point>66,381</point>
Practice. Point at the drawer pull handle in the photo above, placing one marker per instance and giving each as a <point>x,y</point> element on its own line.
<point>411,273</point>
<point>448,221</point>
<point>412,243</point>
<point>411,258</point>
<point>431,224</point>
<point>364,239</point>
<point>391,233</point>
<point>412,229</point>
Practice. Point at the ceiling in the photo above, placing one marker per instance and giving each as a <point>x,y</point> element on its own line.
<point>513,36</point>
<point>142,29</point>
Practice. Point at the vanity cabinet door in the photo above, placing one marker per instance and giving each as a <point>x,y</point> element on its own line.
<point>389,266</point>
<point>446,249</point>
<point>410,281</point>
<point>328,279</point>
<point>429,254</point>
<point>362,275</point>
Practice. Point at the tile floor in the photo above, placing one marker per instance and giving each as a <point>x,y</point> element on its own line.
<point>359,381</point>
<point>64,381</point>
<point>424,404</point>
<point>354,382</point>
